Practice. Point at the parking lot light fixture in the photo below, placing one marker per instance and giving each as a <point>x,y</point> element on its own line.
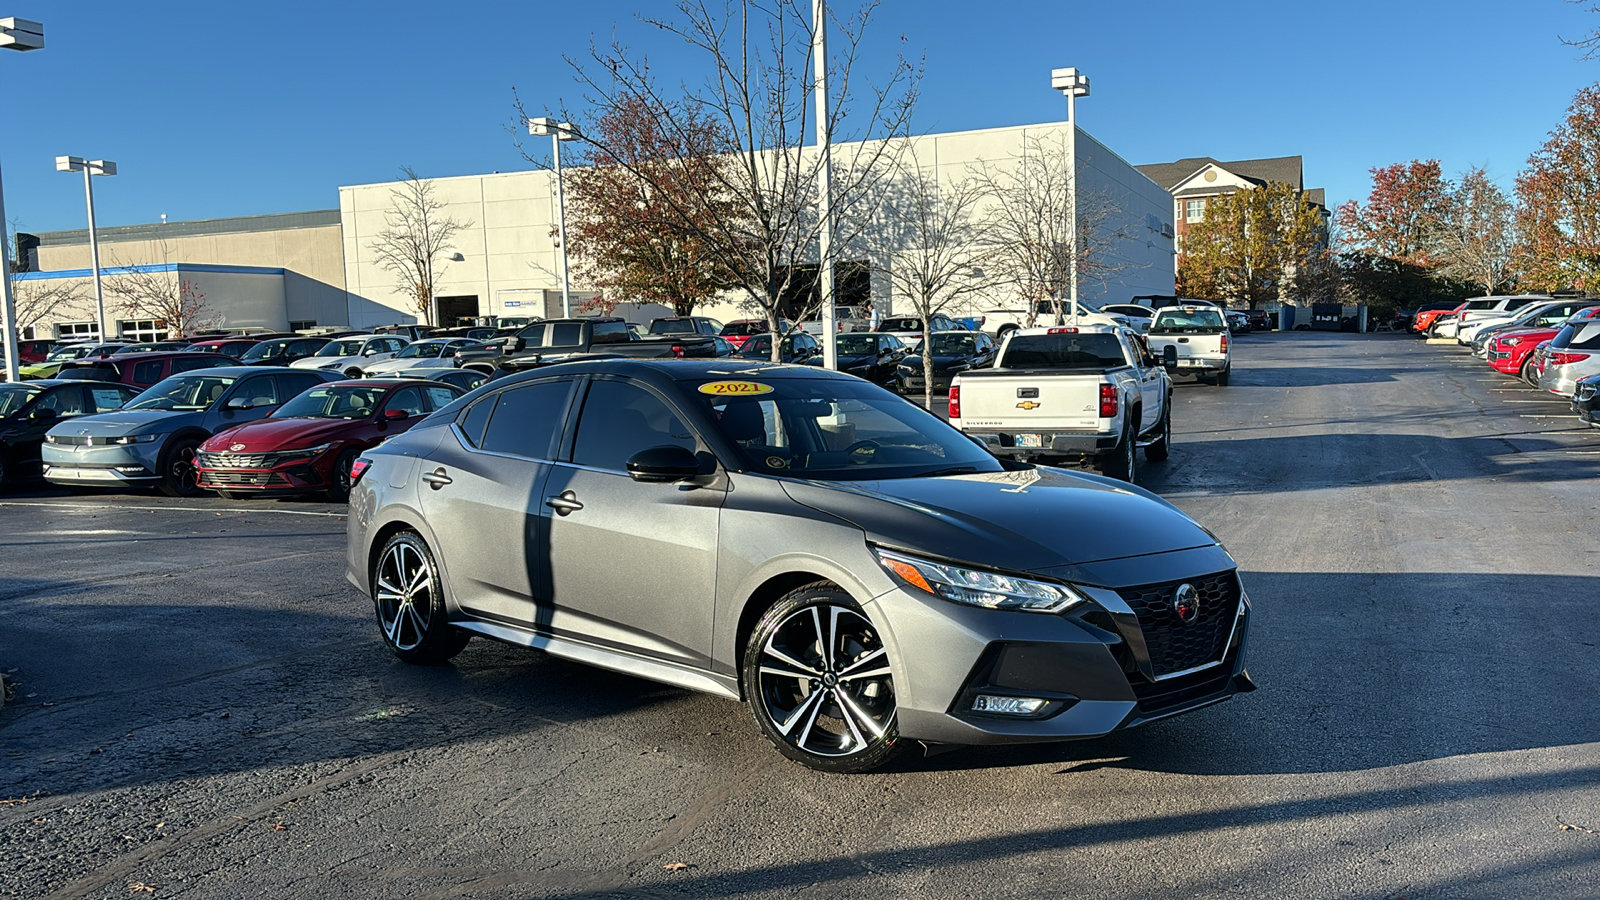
<point>15,34</point>
<point>558,132</point>
<point>1073,84</point>
<point>91,167</point>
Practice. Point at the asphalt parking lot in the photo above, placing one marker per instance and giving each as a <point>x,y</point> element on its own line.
<point>204,707</point>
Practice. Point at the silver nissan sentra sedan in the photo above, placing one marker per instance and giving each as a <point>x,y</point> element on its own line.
<point>859,572</point>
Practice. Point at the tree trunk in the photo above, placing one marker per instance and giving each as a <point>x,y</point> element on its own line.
<point>927,364</point>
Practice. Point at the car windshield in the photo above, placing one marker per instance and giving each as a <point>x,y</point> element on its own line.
<point>418,351</point>
<point>345,401</point>
<point>1190,321</point>
<point>266,350</point>
<point>857,345</point>
<point>832,429</point>
<point>15,396</point>
<point>183,393</point>
<point>341,348</point>
<point>954,345</point>
<point>62,354</point>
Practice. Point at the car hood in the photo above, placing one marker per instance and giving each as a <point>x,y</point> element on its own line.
<point>854,362</point>
<point>125,422</point>
<point>1036,519</point>
<point>400,365</point>
<point>321,362</point>
<point>269,434</point>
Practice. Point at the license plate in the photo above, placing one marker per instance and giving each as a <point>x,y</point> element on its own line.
<point>1030,440</point>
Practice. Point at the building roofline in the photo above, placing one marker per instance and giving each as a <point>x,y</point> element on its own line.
<point>107,271</point>
<point>195,227</point>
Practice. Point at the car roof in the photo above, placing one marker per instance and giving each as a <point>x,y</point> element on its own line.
<point>152,354</point>
<point>1085,328</point>
<point>241,371</point>
<point>373,382</point>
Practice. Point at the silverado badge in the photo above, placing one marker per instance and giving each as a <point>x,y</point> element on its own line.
<point>1029,404</point>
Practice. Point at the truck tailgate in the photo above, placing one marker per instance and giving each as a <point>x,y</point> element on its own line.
<point>1030,401</point>
<point>1201,345</point>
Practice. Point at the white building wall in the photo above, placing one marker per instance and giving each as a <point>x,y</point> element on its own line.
<point>510,251</point>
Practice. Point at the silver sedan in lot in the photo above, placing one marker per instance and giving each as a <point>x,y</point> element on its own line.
<point>1574,354</point>
<point>859,572</point>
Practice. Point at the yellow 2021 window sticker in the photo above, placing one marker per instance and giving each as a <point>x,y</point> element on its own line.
<point>735,388</point>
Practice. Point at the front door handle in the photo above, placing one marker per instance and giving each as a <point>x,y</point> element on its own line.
<point>564,503</point>
<point>437,479</point>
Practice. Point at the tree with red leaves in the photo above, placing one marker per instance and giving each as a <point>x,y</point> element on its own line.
<point>631,243</point>
<point>1558,211</point>
<point>1402,215</point>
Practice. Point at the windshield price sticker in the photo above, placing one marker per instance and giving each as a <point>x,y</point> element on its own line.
<point>735,388</point>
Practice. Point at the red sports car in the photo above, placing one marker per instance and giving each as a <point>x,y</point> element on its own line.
<point>308,445</point>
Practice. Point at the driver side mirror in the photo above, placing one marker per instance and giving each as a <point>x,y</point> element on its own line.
<point>1169,357</point>
<point>44,415</point>
<point>396,414</point>
<point>239,403</point>
<point>664,464</point>
<point>370,351</point>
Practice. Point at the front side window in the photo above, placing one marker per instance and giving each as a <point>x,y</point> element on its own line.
<point>408,399</point>
<point>266,350</point>
<point>107,399</point>
<point>13,397</point>
<point>620,419</point>
<point>340,348</point>
<point>326,402</point>
<point>259,391</point>
<point>421,351</point>
<point>147,372</point>
<point>66,401</point>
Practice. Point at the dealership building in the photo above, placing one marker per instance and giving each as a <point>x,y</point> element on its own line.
<point>301,270</point>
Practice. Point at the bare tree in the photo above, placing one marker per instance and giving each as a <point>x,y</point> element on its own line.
<point>1475,233</point>
<point>157,292</point>
<point>754,215</point>
<point>415,238</point>
<point>37,300</point>
<point>1028,225</point>
<point>1589,43</point>
<point>929,244</point>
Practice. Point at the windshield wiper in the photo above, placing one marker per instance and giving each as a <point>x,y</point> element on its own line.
<point>952,470</point>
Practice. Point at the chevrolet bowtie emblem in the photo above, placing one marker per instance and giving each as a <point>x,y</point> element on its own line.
<point>1028,404</point>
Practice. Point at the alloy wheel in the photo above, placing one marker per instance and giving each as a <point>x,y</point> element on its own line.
<point>404,591</point>
<point>824,682</point>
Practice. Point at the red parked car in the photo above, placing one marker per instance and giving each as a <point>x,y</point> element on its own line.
<point>741,330</point>
<point>140,370</point>
<point>1425,318</point>
<point>33,351</point>
<point>309,443</point>
<point>1513,351</point>
<point>232,348</point>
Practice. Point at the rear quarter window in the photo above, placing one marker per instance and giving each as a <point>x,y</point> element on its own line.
<point>1581,336</point>
<point>1063,351</point>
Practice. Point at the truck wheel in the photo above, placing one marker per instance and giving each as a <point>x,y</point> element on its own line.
<point>1222,379</point>
<point>1160,448</point>
<point>1119,462</point>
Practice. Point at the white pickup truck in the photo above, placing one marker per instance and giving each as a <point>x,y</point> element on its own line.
<point>1199,335</point>
<point>1087,395</point>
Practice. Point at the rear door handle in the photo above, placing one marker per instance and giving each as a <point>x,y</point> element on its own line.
<point>564,503</point>
<point>436,479</point>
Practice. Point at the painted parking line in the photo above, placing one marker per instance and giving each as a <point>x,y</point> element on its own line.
<point>208,509</point>
<point>1543,416</point>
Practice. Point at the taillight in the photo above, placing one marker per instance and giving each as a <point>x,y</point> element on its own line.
<point>677,350</point>
<point>1063,331</point>
<point>1224,343</point>
<point>1108,401</point>
<point>1566,359</point>
<point>955,401</point>
<point>357,468</point>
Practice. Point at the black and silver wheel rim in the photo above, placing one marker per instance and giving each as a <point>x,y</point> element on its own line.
<point>824,682</point>
<point>405,596</point>
<point>1125,461</point>
<point>184,474</point>
<point>341,475</point>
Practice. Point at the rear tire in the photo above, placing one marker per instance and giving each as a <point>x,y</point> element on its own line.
<point>818,681</point>
<point>178,474</point>
<point>408,595</point>
<point>1160,448</point>
<point>1119,463</point>
<point>1222,379</point>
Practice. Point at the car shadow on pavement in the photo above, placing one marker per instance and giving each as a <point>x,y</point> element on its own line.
<point>1362,671</point>
<point>1284,463</point>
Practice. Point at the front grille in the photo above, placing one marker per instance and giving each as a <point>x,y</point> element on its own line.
<point>256,479</point>
<point>236,460</point>
<point>1156,696</point>
<point>69,440</point>
<point>1174,646</point>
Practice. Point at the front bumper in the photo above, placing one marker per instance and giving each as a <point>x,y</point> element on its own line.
<point>87,465</point>
<point>267,473</point>
<point>1103,667</point>
<point>1586,403</point>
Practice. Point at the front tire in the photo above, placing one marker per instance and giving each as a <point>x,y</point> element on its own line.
<point>1160,448</point>
<point>409,600</point>
<point>819,685</point>
<point>339,492</point>
<point>179,477</point>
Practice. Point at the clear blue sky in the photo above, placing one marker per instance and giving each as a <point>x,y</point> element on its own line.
<point>221,108</point>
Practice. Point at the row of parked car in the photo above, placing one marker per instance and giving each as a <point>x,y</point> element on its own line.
<point>1551,343</point>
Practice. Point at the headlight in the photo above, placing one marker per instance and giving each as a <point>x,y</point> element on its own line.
<point>133,439</point>
<point>972,587</point>
<point>309,451</point>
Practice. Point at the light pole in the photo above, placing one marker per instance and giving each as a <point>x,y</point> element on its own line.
<point>15,34</point>
<point>819,56</point>
<point>1074,85</point>
<point>559,131</point>
<point>89,168</point>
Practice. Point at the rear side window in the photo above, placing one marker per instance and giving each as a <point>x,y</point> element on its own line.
<point>610,333</point>
<point>439,398</point>
<point>1580,336</point>
<point>147,372</point>
<point>620,419</point>
<point>525,420</point>
<point>1063,351</point>
<point>294,384</point>
<point>108,399</point>
<point>189,365</point>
